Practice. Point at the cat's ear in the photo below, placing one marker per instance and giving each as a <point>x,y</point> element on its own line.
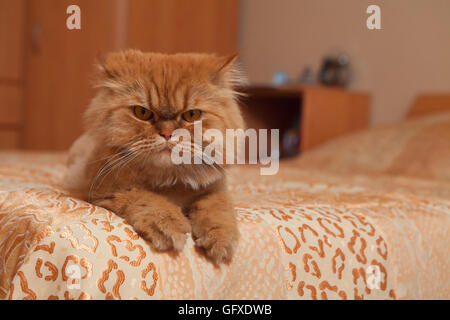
<point>226,62</point>
<point>104,75</point>
<point>227,71</point>
<point>103,72</point>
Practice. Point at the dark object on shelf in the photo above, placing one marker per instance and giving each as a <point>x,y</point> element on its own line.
<point>307,76</point>
<point>290,142</point>
<point>335,71</point>
<point>279,78</point>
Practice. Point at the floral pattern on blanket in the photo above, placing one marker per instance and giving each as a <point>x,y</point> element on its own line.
<point>304,235</point>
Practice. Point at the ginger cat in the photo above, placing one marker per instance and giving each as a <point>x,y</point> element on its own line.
<point>122,162</point>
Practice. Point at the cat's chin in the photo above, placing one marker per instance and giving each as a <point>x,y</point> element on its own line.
<point>162,159</point>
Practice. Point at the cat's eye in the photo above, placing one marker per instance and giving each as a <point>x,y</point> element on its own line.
<point>142,113</point>
<point>192,115</point>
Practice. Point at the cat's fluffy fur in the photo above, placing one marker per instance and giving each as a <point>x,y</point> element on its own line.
<point>120,162</point>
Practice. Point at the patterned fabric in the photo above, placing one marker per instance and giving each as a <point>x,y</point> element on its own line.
<point>419,147</point>
<point>305,234</point>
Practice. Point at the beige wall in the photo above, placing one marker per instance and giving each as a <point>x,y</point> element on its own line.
<point>410,55</point>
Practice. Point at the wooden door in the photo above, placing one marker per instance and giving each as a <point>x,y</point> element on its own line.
<point>172,26</point>
<point>59,64</point>
<point>59,61</point>
<point>12,26</point>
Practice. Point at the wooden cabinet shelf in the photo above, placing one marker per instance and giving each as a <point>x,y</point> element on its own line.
<point>305,115</point>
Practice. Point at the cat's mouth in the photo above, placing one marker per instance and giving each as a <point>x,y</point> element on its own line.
<point>165,148</point>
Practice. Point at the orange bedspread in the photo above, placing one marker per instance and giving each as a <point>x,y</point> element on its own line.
<point>306,233</point>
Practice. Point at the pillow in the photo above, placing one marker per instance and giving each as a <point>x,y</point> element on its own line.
<point>419,147</point>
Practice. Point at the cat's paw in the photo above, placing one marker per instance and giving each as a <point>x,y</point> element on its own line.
<point>156,220</point>
<point>219,244</point>
<point>165,232</point>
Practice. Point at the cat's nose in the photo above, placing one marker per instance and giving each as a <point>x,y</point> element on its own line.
<point>166,134</point>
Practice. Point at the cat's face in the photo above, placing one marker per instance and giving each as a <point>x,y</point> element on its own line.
<point>145,97</point>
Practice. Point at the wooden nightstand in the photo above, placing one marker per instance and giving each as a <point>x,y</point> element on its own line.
<point>306,115</point>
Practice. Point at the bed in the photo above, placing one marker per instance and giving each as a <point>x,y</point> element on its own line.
<point>366,216</point>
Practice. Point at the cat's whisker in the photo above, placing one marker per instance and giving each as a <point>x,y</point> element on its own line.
<point>125,162</point>
<point>188,146</point>
<point>110,164</point>
<point>116,165</point>
<point>143,149</point>
<point>108,157</point>
<point>121,150</point>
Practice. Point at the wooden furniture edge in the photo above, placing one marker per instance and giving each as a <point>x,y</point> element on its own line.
<point>425,104</point>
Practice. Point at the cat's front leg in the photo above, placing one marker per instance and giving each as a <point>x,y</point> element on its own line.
<point>152,216</point>
<point>214,226</point>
